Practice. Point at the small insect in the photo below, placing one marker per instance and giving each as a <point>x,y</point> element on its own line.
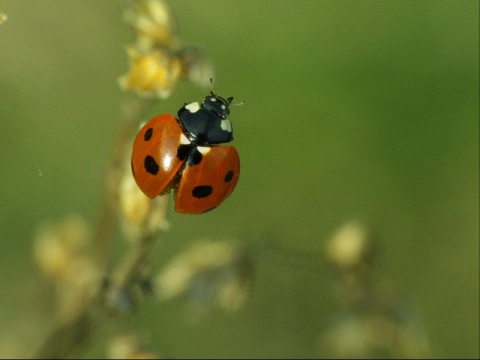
<point>184,155</point>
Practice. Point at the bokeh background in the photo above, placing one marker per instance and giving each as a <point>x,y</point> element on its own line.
<point>363,110</point>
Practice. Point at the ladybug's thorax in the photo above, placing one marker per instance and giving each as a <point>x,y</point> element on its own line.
<point>206,123</point>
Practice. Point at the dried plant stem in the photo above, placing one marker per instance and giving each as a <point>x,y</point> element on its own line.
<point>132,112</point>
<point>126,274</point>
<point>70,337</point>
<point>66,338</point>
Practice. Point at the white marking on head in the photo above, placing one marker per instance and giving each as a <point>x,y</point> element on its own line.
<point>184,140</point>
<point>193,107</point>
<point>226,125</point>
<point>203,149</point>
<point>223,107</point>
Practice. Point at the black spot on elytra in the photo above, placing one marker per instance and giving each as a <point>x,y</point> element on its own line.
<point>229,176</point>
<point>151,165</point>
<point>195,157</point>
<point>148,134</point>
<point>202,191</point>
<point>183,151</point>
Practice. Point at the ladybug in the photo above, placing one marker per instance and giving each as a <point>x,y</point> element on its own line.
<point>183,154</point>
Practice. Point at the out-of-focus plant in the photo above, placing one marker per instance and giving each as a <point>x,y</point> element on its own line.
<point>89,289</point>
<point>209,273</point>
<point>374,321</point>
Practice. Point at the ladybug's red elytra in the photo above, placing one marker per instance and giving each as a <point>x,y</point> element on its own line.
<point>184,155</point>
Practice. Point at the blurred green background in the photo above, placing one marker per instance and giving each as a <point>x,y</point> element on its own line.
<point>362,110</point>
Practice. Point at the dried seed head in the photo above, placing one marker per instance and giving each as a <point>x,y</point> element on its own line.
<point>140,214</point>
<point>57,246</point>
<point>374,335</point>
<point>129,347</point>
<point>3,18</point>
<point>61,251</point>
<point>350,247</point>
<point>157,60</point>
<point>208,273</point>
<point>153,23</point>
<point>152,74</point>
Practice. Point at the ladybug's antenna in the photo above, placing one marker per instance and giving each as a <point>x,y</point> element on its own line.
<point>211,87</point>
<point>229,100</point>
<point>240,103</point>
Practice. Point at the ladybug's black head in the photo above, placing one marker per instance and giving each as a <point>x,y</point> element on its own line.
<point>217,105</point>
